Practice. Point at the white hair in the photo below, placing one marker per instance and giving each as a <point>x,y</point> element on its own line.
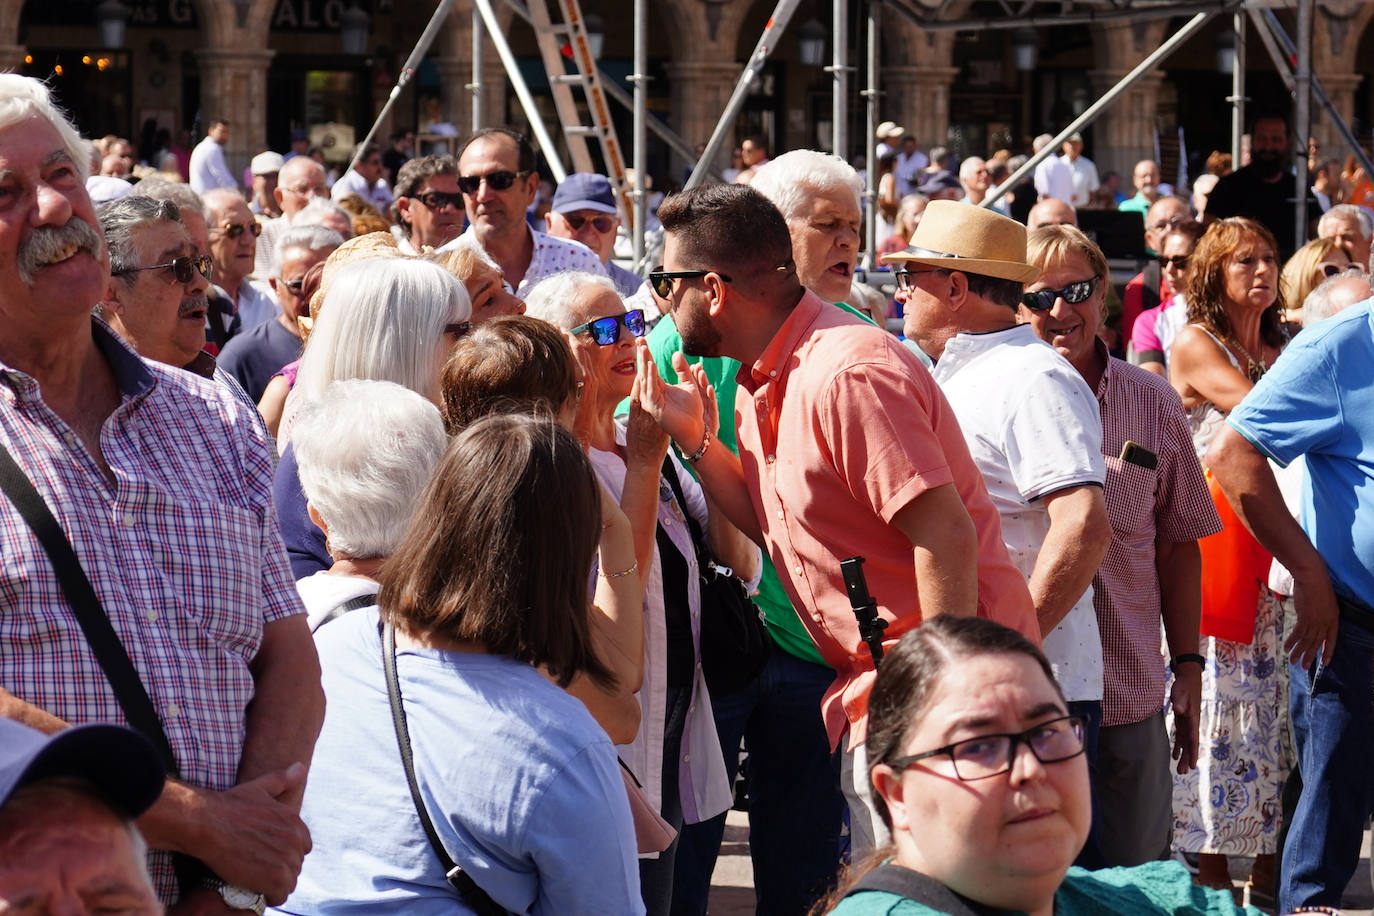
<point>23,97</point>
<point>366,450</point>
<point>791,180</point>
<point>382,318</point>
<point>1324,301</point>
<point>552,298</point>
<point>306,238</point>
<point>310,214</point>
<point>1349,212</point>
<point>969,167</point>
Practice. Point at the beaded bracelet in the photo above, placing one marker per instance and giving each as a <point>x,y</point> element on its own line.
<point>706,438</point>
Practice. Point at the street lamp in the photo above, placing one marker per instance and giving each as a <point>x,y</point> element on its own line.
<point>1226,51</point>
<point>1026,47</point>
<point>596,34</point>
<point>353,25</point>
<point>811,43</point>
<point>111,17</point>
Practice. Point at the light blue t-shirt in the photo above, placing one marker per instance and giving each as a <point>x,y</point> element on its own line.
<point>1316,401</point>
<point>521,783</point>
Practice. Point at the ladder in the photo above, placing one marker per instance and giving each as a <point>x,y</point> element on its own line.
<point>557,41</point>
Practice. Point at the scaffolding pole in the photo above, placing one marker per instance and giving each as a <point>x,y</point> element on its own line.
<point>479,38</point>
<point>1056,19</point>
<point>870,95</point>
<point>839,69</point>
<point>639,78</point>
<point>522,91</point>
<point>1096,108</point>
<point>767,41</point>
<point>1302,84</point>
<point>1238,98</point>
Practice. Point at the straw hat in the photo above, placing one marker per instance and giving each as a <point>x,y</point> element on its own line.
<point>959,236</point>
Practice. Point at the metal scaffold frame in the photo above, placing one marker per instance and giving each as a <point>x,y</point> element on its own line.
<point>1259,15</point>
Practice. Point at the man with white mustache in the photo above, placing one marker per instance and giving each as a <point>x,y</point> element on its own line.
<point>160,483</point>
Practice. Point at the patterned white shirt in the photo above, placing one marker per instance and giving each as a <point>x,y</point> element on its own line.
<point>551,256</point>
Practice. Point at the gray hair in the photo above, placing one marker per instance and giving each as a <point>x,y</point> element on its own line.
<point>121,220</point>
<point>1346,211</point>
<point>791,180</point>
<point>366,450</point>
<point>1323,302</point>
<point>310,214</point>
<point>307,238</point>
<point>175,191</point>
<point>218,198</point>
<point>23,97</point>
<point>382,319</point>
<point>551,299</point>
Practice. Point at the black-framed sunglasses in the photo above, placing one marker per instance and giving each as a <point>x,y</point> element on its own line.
<point>1331,270</point>
<point>437,200</point>
<point>1177,262</point>
<point>603,223</point>
<point>458,329</point>
<point>184,268</point>
<point>992,755</point>
<point>905,275</point>
<point>234,230</point>
<point>498,181</point>
<point>1042,300</point>
<point>661,281</point>
<point>606,331</point>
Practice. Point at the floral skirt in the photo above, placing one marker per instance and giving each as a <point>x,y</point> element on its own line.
<point>1230,803</point>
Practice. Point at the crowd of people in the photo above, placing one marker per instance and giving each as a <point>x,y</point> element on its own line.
<point>436,562</point>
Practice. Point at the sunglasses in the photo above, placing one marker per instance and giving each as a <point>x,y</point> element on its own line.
<point>458,329</point>
<point>1042,300</point>
<point>497,181</point>
<point>1177,262</point>
<point>234,230</point>
<point>295,285</point>
<point>1331,270</point>
<point>603,224</point>
<point>661,281</point>
<point>606,331</point>
<point>437,200</point>
<point>184,268</point>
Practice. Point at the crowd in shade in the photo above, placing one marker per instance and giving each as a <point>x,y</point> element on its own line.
<point>387,542</point>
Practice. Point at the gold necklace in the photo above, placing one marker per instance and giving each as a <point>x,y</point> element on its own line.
<point>1254,368</point>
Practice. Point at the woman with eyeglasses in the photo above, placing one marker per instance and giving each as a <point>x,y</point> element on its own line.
<point>676,753</point>
<point>1229,805</point>
<point>1153,335</point>
<point>1307,269</point>
<point>980,773</point>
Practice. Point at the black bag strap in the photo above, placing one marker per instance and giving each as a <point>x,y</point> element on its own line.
<point>109,651</point>
<point>473,895</point>
<point>698,537</point>
<point>352,604</point>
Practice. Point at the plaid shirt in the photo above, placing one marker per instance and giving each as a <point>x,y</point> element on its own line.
<point>183,551</point>
<point>1169,503</point>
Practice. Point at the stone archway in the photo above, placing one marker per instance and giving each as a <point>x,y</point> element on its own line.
<point>233,71</point>
<point>1338,32</point>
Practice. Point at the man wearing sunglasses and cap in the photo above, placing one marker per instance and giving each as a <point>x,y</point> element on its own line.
<point>1031,422</point>
<point>584,211</point>
<point>498,178</point>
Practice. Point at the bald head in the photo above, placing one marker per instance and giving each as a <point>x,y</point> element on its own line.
<point>300,181</point>
<point>1051,212</point>
<point>1335,295</point>
<point>1162,216</point>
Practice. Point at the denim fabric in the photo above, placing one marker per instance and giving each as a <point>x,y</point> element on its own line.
<point>795,806</point>
<point>1333,728</point>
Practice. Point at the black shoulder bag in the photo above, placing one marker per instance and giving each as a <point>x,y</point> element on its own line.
<point>109,652</point>
<point>477,899</point>
<point>734,639</point>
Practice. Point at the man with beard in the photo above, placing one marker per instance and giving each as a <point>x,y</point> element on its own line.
<point>256,355</point>
<point>828,466</point>
<point>161,482</point>
<point>1263,190</point>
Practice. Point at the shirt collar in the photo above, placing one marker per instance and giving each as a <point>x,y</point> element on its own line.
<point>131,373</point>
<point>772,364</point>
<point>203,365</point>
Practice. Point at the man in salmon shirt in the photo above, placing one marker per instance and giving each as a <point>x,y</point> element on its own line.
<point>846,447</point>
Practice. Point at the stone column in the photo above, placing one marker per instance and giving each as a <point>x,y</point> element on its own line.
<point>700,90</point>
<point>917,97</point>
<point>1340,87</point>
<point>12,58</point>
<point>1124,134</point>
<point>233,86</point>
<point>454,75</point>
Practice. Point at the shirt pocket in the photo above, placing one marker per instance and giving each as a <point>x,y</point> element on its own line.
<point>1130,494</point>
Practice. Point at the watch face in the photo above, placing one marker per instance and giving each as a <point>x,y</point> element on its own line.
<point>242,899</point>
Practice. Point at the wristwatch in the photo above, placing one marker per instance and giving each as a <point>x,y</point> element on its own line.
<point>240,898</point>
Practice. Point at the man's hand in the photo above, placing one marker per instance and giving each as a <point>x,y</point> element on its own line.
<point>252,837</point>
<point>1318,621</point>
<point>1184,697</point>
<point>646,443</point>
<point>680,408</point>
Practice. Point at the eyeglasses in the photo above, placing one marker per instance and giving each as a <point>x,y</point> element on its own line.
<point>603,224</point>
<point>992,755</point>
<point>234,230</point>
<point>1042,300</point>
<point>183,269</point>
<point>661,281</point>
<point>904,277</point>
<point>437,200</point>
<point>458,329</point>
<point>497,181</point>
<point>295,285</point>
<point>606,331</point>
<point>1331,270</point>
<point>1177,262</point>
<point>1166,223</point>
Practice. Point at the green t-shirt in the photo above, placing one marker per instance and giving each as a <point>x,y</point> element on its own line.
<point>783,624</point>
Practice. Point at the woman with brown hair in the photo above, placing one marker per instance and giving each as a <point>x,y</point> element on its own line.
<point>1229,805</point>
<point>486,591</point>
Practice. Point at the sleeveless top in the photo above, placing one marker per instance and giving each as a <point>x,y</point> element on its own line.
<point>1206,419</point>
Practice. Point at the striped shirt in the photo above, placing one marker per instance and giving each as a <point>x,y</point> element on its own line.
<point>1169,503</point>
<point>183,551</point>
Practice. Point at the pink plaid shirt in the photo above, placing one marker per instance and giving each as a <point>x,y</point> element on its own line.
<point>1169,503</point>
<point>183,551</point>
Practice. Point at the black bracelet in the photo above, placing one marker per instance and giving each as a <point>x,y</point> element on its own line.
<point>1186,657</point>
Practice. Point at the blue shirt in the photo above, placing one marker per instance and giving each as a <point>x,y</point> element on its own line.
<point>1315,401</point>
